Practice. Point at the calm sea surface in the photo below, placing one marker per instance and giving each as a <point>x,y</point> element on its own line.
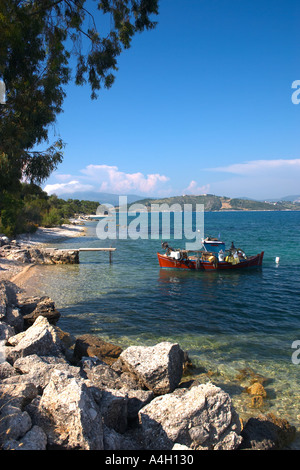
<point>228,322</point>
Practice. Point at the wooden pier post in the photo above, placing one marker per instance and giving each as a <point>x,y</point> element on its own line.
<point>110,251</point>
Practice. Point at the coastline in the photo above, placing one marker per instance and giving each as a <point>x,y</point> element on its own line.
<point>45,235</point>
<point>18,273</point>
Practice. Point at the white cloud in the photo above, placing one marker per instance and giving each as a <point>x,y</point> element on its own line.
<point>105,178</point>
<point>256,166</point>
<point>67,188</point>
<point>194,189</point>
<point>110,179</point>
<point>259,179</point>
<point>61,177</point>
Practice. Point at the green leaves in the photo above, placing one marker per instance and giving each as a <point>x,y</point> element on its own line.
<point>38,39</point>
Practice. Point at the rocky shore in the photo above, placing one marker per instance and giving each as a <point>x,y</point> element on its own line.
<point>61,392</point>
<point>32,249</point>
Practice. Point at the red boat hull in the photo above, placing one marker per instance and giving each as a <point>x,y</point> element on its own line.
<point>167,262</point>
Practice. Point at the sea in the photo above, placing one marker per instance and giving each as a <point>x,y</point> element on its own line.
<point>235,325</point>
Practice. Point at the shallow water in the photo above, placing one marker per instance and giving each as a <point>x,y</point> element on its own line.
<point>227,321</point>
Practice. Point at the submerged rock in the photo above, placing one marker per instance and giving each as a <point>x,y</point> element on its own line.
<point>267,432</point>
<point>90,345</point>
<point>47,401</point>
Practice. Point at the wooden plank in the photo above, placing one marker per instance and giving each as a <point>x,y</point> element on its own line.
<point>97,249</point>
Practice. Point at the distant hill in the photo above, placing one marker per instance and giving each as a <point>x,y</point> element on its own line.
<point>291,198</point>
<point>210,201</point>
<point>101,198</point>
<point>223,203</point>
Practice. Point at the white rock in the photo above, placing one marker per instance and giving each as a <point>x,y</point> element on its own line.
<point>200,418</point>
<point>159,368</point>
<point>69,414</point>
<point>41,339</point>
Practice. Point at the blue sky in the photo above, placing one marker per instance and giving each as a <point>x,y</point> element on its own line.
<point>201,104</point>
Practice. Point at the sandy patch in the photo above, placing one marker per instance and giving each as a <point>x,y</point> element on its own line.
<point>47,235</point>
<point>18,272</point>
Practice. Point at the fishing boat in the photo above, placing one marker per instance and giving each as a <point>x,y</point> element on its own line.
<point>212,257</point>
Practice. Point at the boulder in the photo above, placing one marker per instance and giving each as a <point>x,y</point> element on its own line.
<point>3,300</point>
<point>9,313</point>
<point>90,345</point>
<point>122,390</point>
<point>41,339</point>
<point>16,394</point>
<point>201,418</point>
<point>159,368</point>
<point>113,407</point>
<point>38,370</point>
<point>34,439</point>
<point>6,331</point>
<point>8,298</point>
<point>57,256</point>
<point>69,415</point>
<point>29,254</point>
<point>137,399</point>
<point>15,422</point>
<point>14,318</point>
<point>36,255</point>
<point>267,432</point>
<point>33,307</point>
<point>115,441</point>
<point>100,373</point>
<point>19,255</point>
<point>6,370</point>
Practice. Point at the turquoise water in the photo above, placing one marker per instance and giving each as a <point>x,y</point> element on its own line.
<point>227,321</point>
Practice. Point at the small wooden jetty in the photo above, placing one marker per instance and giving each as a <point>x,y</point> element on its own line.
<point>110,251</point>
<point>71,255</point>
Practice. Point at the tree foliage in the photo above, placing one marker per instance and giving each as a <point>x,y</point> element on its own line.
<point>40,43</point>
<point>31,207</point>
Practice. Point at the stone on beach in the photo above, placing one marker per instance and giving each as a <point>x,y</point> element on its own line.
<point>27,254</point>
<point>41,339</point>
<point>8,298</point>
<point>10,315</point>
<point>200,418</point>
<point>52,400</point>
<point>159,368</point>
<point>69,414</point>
<point>33,307</point>
<point>34,439</point>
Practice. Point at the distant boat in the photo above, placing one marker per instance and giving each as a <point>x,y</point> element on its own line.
<point>213,257</point>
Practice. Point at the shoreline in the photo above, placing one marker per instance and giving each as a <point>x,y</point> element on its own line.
<point>18,273</point>
<point>45,235</point>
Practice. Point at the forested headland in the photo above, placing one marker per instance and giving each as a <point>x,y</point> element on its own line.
<point>32,207</point>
